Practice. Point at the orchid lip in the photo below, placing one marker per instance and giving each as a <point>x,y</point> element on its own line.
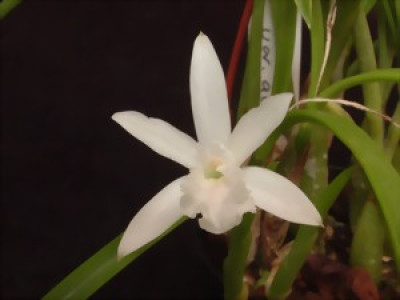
<point>212,174</point>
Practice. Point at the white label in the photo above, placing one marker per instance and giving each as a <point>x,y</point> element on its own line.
<point>268,51</point>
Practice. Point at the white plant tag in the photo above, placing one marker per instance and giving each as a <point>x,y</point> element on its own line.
<point>268,53</point>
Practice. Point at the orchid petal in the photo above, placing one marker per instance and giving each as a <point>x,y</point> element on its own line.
<point>161,212</point>
<point>160,136</point>
<point>279,196</point>
<point>257,124</point>
<point>208,93</point>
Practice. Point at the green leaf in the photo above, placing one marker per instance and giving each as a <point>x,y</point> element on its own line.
<point>250,92</point>
<point>235,262</point>
<point>85,280</point>
<point>371,91</point>
<point>304,241</point>
<point>396,159</point>
<point>371,158</point>
<point>317,46</point>
<point>385,51</point>
<point>368,5</point>
<point>397,11</point>
<point>284,20</point>
<point>392,74</point>
<point>368,240</point>
<point>391,17</point>
<point>6,6</point>
<point>305,8</point>
<point>347,12</point>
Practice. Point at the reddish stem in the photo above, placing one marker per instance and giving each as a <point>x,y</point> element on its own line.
<point>237,47</point>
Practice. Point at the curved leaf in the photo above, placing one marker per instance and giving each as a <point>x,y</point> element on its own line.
<point>383,177</point>
<point>85,280</point>
<point>305,8</point>
<point>392,74</point>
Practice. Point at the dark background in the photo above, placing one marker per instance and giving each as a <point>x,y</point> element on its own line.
<point>72,178</point>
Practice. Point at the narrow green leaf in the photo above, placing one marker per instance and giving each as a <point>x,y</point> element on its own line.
<point>304,241</point>
<point>392,74</point>
<point>369,155</point>
<point>284,20</point>
<point>305,7</point>
<point>250,92</point>
<point>396,159</point>
<point>390,12</point>
<point>85,280</point>
<point>371,158</point>
<point>371,91</point>
<point>317,45</point>
<point>385,52</point>
<point>368,5</point>
<point>347,12</point>
<point>390,16</point>
<point>397,10</point>
<point>6,6</point>
<point>235,262</point>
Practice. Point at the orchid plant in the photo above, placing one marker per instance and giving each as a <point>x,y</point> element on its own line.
<point>228,171</point>
<point>218,188</point>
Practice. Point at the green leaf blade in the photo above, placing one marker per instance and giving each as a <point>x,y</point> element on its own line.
<point>85,280</point>
<point>383,177</point>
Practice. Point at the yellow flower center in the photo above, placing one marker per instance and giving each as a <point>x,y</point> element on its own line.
<point>210,171</point>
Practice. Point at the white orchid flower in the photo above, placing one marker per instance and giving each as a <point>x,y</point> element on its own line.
<point>217,189</point>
